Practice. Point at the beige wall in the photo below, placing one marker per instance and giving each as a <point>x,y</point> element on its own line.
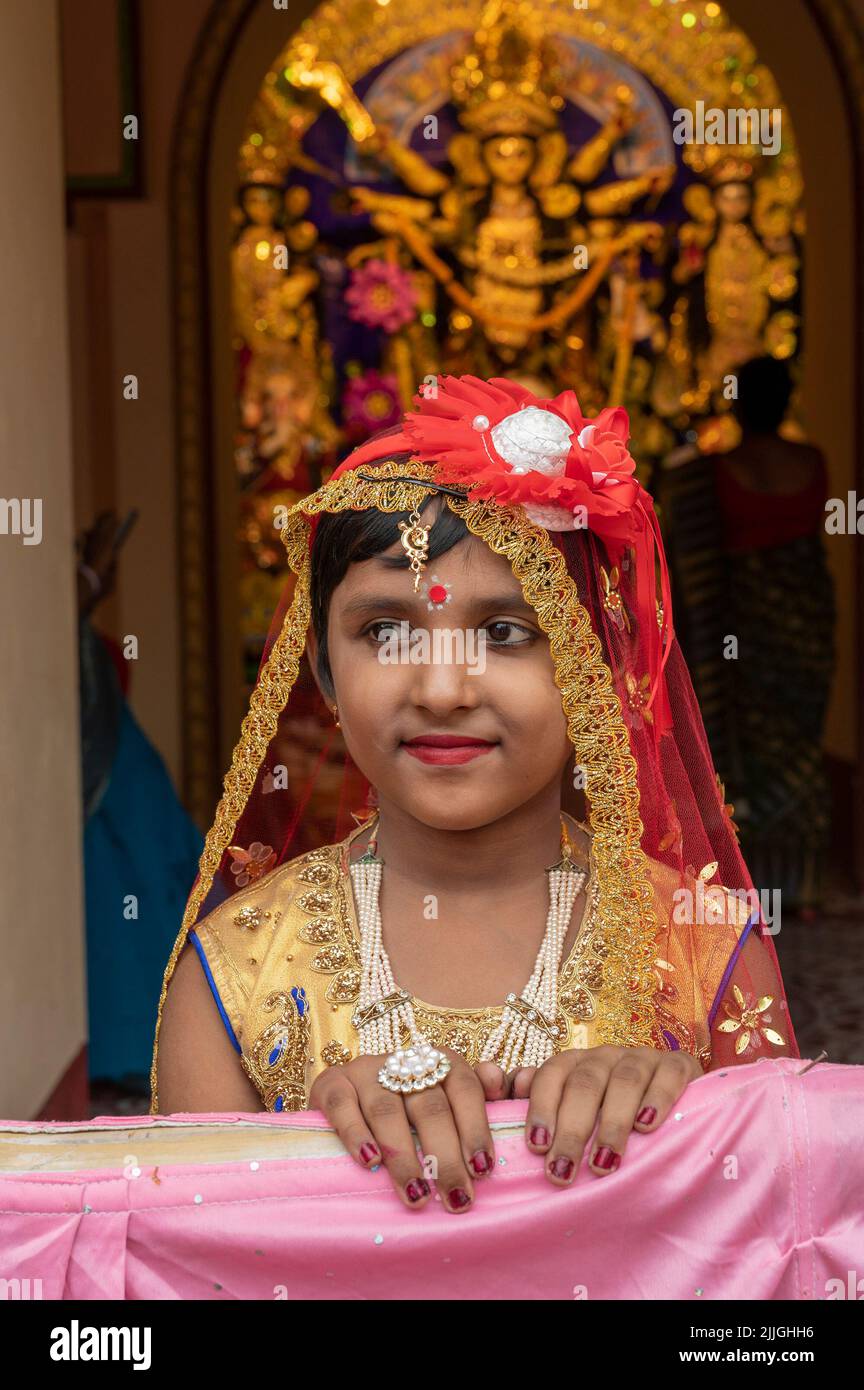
<point>42,997</point>
<point>121,297</point>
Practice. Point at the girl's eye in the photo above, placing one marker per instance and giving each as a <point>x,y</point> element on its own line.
<point>498,634</point>
<point>391,629</point>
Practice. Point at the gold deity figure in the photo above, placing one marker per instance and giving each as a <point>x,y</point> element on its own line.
<point>509,218</point>
<point>270,280</point>
<point>738,266</point>
<point>273,283</point>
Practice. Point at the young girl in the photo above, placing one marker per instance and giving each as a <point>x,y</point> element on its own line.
<point>486,631</point>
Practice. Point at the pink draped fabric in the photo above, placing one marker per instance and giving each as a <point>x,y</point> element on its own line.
<point>753,1188</point>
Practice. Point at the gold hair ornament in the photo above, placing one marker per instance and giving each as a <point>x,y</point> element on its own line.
<point>415,536</point>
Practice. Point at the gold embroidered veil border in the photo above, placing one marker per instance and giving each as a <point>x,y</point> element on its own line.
<point>595,724</point>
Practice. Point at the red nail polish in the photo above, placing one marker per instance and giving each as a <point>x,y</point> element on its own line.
<point>606,1158</point>
<point>481,1162</point>
<point>647,1115</point>
<point>539,1135</point>
<point>562,1167</point>
<point>370,1153</point>
<point>458,1197</point>
<point>416,1189</point>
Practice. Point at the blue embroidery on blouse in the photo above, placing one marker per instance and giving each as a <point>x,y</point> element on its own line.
<point>214,991</point>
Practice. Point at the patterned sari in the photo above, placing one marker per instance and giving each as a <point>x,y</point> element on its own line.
<point>763,700</point>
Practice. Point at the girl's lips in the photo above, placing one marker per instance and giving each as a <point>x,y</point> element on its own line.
<point>447,749</point>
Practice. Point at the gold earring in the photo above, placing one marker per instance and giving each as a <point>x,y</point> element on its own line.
<point>336,716</point>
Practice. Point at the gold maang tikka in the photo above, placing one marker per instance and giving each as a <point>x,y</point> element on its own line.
<point>415,536</point>
<point>415,542</point>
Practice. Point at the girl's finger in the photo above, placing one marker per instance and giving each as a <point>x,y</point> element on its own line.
<point>468,1104</point>
<point>628,1083</point>
<point>337,1099</point>
<point>493,1081</point>
<point>670,1080</point>
<point>521,1082</point>
<point>386,1116</point>
<point>430,1114</point>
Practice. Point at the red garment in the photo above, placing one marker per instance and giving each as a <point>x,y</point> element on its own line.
<point>760,520</point>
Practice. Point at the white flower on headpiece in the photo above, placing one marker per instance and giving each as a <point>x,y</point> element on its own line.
<point>533,439</point>
<point>538,441</point>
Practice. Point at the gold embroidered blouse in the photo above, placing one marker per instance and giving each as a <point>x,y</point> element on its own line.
<point>284,960</point>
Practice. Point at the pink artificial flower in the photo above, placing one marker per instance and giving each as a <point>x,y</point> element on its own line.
<point>381,295</point>
<point>370,402</point>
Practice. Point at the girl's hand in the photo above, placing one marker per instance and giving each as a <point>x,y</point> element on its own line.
<point>374,1124</point>
<point>627,1087</point>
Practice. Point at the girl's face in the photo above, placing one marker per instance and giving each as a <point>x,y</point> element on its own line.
<point>475,677</point>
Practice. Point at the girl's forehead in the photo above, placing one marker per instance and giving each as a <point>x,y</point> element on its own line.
<point>469,571</point>
<point>470,559</point>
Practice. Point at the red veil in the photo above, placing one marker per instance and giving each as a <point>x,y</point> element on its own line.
<point>685,957</point>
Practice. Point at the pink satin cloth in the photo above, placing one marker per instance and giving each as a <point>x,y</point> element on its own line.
<point>752,1188</point>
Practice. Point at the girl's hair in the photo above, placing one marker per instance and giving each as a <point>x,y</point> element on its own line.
<point>347,538</point>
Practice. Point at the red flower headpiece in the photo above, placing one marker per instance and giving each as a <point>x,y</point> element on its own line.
<point>567,471</point>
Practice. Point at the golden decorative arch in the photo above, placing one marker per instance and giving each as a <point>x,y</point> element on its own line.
<point>358,35</point>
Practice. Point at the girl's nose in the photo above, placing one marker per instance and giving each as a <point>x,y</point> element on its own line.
<point>443,679</point>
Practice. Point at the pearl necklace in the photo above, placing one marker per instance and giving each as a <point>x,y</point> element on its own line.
<point>527,1033</point>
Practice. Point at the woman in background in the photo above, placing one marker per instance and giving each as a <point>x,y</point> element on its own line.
<point>140,845</point>
<point>755,609</point>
